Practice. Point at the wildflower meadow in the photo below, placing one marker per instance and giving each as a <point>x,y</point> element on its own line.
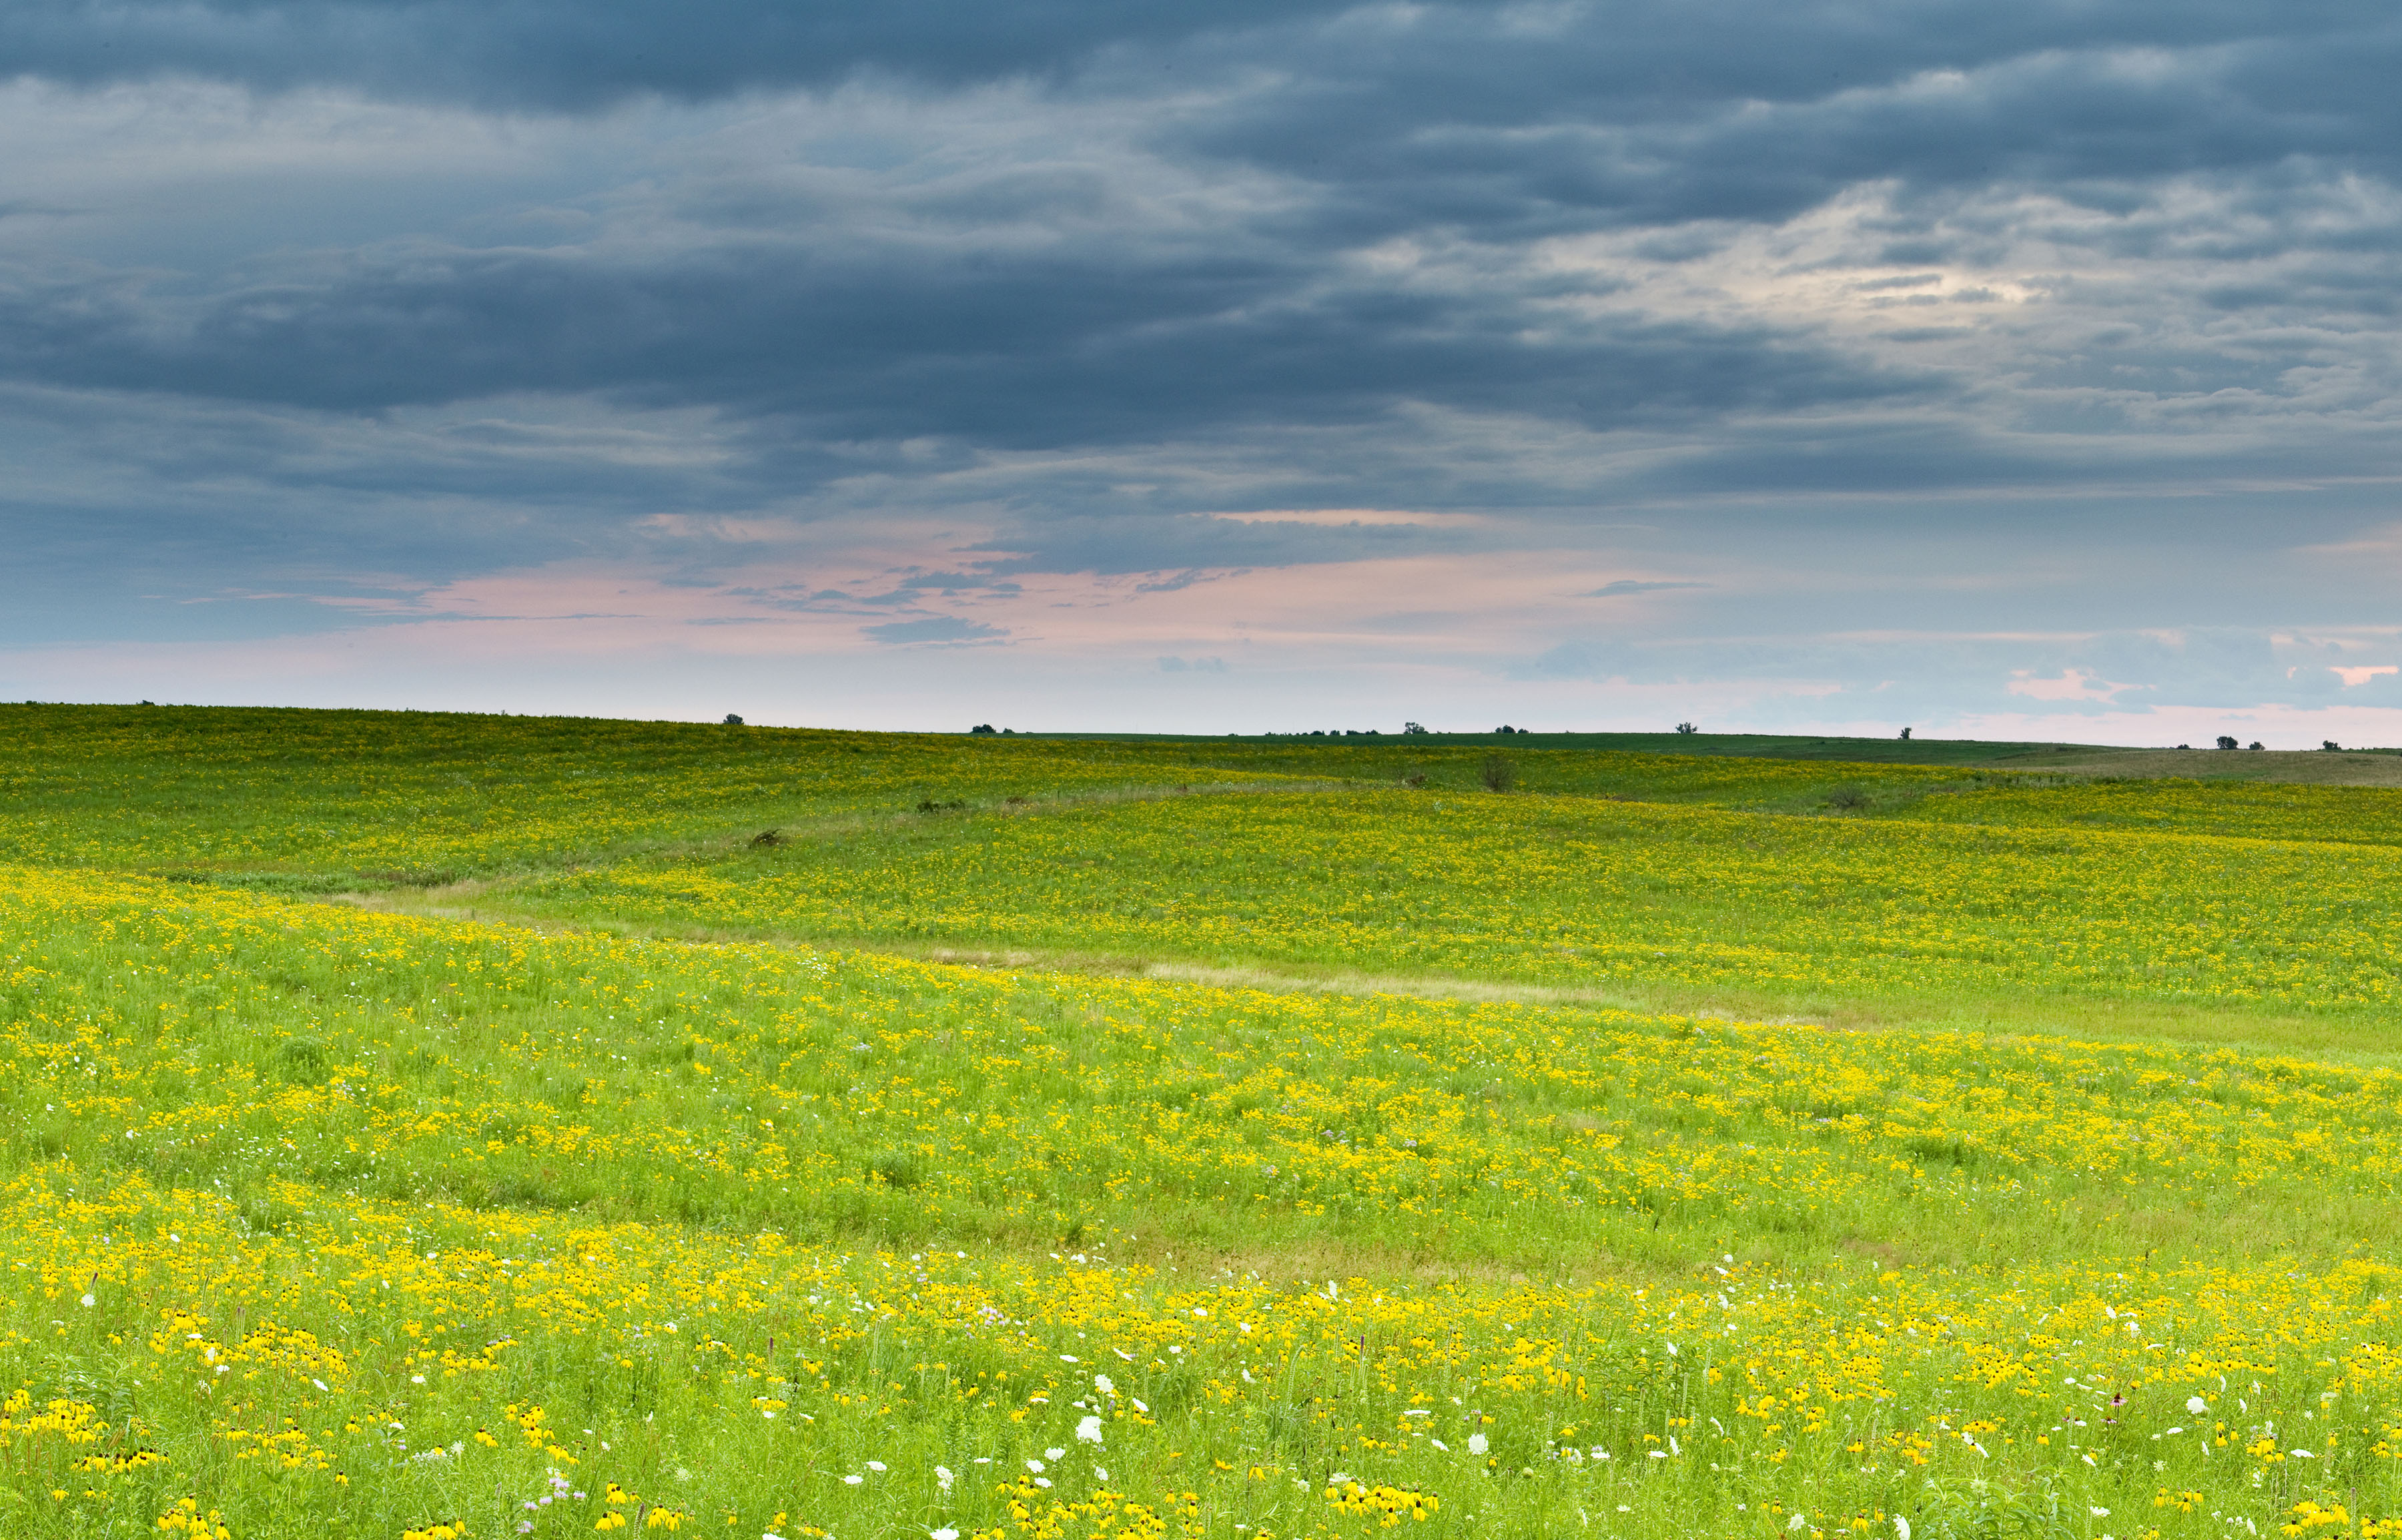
<point>492,1135</point>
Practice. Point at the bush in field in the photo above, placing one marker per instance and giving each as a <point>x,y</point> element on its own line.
<point>1497,773</point>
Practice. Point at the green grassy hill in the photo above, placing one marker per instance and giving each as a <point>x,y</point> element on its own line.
<point>428,1126</point>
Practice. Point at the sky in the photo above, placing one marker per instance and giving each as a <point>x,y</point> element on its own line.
<point>1996,371</point>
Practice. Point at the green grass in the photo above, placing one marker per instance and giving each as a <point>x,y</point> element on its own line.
<point>1677,1144</point>
<point>1616,901</point>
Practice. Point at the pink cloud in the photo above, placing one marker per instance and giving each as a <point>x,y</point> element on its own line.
<point>2072,684</point>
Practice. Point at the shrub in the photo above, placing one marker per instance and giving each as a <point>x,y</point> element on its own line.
<point>1847,799</point>
<point>302,1060</point>
<point>732,719</point>
<point>982,729</point>
<point>1499,773</point>
<point>898,1168</point>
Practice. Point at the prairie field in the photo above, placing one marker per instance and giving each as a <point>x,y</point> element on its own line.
<point>425,1126</point>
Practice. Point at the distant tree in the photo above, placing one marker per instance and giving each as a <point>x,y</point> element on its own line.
<point>1687,727</point>
<point>2331,745</point>
<point>2254,745</point>
<point>1905,734</point>
<point>982,729</point>
<point>2226,742</point>
<point>1412,728</point>
<point>732,721</point>
<point>2185,746</point>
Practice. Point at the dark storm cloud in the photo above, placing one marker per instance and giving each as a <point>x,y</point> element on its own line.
<point>1098,347</point>
<point>1476,126</point>
<point>578,54</point>
<point>1667,114</point>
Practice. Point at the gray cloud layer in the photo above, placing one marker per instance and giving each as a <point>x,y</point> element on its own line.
<point>556,55</point>
<point>1089,269</point>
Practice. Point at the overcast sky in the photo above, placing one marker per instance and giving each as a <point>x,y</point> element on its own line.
<point>1994,370</point>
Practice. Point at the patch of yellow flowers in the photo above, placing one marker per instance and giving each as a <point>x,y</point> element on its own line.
<point>1589,892</point>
